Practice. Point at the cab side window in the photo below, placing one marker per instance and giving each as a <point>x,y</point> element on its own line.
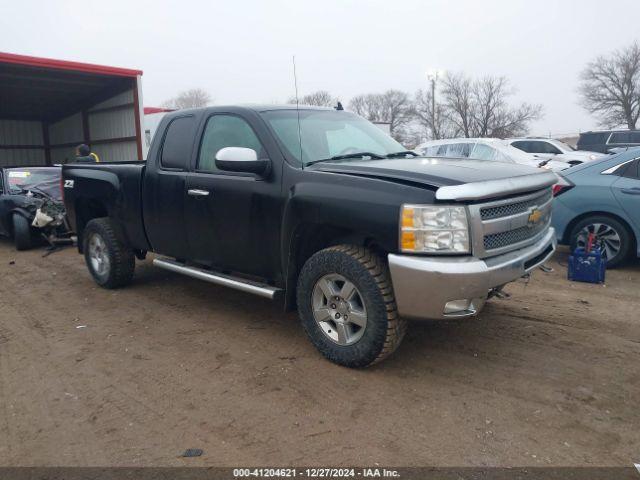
<point>178,141</point>
<point>224,131</point>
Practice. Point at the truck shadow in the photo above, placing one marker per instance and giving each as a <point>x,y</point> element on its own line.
<point>424,340</point>
<point>514,337</point>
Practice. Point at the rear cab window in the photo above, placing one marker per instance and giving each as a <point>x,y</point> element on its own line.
<point>177,144</point>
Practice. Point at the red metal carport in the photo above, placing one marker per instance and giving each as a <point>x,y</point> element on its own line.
<point>48,107</point>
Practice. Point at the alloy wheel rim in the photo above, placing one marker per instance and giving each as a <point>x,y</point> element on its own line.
<point>606,237</point>
<point>98,255</point>
<point>338,309</point>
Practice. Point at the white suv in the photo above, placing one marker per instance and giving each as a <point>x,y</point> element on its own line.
<point>549,148</point>
<point>486,149</point>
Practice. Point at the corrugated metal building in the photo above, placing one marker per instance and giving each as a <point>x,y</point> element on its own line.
<point>48,107</point>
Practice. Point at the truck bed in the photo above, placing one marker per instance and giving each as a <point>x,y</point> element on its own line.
<point>117,185</point>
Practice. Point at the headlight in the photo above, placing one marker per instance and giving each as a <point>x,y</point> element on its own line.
<point>434,229</point>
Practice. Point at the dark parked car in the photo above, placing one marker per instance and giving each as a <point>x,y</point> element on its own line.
<point>602,198</point>
<point>341,222</point>
<point>605,140</point>
<point>31,204</point>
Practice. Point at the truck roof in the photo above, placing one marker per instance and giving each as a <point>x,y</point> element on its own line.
<point>256,107</point>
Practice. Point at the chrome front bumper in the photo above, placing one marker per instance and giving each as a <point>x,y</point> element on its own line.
<point>424,286</point>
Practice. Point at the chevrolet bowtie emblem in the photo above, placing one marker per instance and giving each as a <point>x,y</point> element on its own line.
<point>534,216</point>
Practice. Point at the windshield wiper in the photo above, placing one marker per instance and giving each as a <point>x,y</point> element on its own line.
<point>348,155</point>
<point>402,153</point>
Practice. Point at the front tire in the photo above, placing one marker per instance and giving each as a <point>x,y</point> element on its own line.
<point>613,238</point>
<point>347,306</point>
<point>110,262</point>
<point>21,232</point>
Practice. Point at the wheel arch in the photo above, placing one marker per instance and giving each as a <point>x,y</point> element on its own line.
<point>86,210</point>
<point>308,239</point>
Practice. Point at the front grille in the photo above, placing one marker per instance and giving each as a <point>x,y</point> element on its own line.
<point>500,211</point>
<point>510,237</point>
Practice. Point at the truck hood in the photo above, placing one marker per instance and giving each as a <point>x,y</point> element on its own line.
<point>433,172</point>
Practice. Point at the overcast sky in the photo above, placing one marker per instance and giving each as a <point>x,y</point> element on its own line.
<point>240,50</point>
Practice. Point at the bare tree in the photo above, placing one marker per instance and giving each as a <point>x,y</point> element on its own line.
<point>458,103</point>
<point>493,117</point>
<point>193,98</point>
<point>610,87</point>
<point>432,116</point>
<point>479,108</point>
<point>392,107</point>
<point>321,98</point>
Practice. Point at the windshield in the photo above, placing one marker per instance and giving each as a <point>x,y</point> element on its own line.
<point>41,180</point>
<point>564,147</point>
<point>328,133</point>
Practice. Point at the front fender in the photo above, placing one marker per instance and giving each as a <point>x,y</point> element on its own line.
<point>324,209</point>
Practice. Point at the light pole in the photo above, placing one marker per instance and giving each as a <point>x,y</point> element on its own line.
<point>432,76</point>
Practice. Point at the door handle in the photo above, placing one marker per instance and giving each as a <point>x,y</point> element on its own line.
<point>194,192</point>
<point>631,191</point>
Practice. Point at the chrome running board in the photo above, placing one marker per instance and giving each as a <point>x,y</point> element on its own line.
<point>241,284</point>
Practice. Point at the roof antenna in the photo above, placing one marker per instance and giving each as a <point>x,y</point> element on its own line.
<point>339,106</point>
<point>295,83</point>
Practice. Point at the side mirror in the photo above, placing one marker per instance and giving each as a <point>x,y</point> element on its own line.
<point>239,159</point>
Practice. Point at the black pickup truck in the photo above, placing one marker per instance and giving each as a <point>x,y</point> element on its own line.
<point>321,210</point>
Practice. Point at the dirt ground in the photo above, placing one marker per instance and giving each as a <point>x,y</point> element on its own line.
<point>133,377</point>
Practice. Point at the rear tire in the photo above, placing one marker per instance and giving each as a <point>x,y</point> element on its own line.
<point>110,262</point>
<point>355,281</point>
<point>614,237</point>
<point>21,232</point>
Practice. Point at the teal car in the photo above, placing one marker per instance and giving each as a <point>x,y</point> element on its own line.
<point>602,198</point>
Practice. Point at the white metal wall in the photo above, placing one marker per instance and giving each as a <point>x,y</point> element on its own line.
<point>120,99</point>
<point>112,124</point>
<point>104,126</point>
<point>114,152</point>
<point>20,132</point>
<point>63,154</point>
<point>66,131</point>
